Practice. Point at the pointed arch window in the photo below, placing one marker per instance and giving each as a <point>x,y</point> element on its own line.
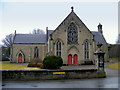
<point>72,34</point>
<point>58,48</point>
<point>86,50</point>
<point>35,52</point>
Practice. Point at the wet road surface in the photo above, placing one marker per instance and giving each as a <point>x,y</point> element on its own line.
<point>110,82</point>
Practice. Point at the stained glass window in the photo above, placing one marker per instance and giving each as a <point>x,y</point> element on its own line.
<point>72,34</point>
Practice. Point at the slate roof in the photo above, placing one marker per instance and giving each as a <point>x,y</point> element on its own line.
<point>42,39</point>
<point>30,39</point>
<point>98,37</point>
<point>49,32</point>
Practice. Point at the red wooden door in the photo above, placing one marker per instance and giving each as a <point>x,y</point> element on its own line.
<point>20,58</point>
<point>75,59</point>
<point>69,59</point>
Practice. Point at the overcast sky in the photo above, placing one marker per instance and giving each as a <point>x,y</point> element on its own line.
<point>25,16</point>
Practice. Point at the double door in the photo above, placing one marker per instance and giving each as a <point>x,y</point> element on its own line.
<point>72,59</point>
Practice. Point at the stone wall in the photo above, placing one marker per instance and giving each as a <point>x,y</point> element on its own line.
<point>48,74</point>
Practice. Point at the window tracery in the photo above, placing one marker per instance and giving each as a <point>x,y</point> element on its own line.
<point>72,34</point>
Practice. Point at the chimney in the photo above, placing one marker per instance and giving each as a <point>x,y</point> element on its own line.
<point>13,36</point>
<point>15,32</point>
<point>47,33</point>
<point>100,28</point>
<point>46,28</point>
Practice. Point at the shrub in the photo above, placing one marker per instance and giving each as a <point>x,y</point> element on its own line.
<point>41,66</point>
<point>31,65</point>
<point>36,62</point>
<point>52,62</point>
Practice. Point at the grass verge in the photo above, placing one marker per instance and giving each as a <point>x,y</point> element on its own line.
<point>115,66</point>
<point>6,65</point>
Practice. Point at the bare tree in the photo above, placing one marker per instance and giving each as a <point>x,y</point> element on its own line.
<point>8,41</point>
<point>38,31</point>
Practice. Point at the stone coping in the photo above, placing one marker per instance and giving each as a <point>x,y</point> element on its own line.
<point>54,70</point>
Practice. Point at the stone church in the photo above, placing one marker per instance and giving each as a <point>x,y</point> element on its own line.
<point>71,40</point>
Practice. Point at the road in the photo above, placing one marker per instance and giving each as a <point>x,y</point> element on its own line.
<point>110,82</point>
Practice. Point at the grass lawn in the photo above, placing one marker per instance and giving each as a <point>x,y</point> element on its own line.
<point>6,65</point>
<point>113,60</point>
<point>114,66</point>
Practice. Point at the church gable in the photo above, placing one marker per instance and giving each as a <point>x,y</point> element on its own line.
<point>72,18</point>
<point>72,30</point>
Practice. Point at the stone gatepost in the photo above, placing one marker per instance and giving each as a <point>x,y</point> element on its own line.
<point>100,61</point>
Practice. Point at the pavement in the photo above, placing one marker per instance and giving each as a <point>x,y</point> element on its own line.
<point>112,72</point>
<point>81,67</point>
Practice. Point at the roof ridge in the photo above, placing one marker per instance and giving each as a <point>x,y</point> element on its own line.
<point>50,30</point>
<point>22,34</point>
<point>30,34</point>
<point>94,31</point>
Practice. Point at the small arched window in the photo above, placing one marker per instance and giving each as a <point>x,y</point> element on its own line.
<point>72,34</point>
<point>58,48</point>
<point>86,50</point>
<point>35,52</point>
